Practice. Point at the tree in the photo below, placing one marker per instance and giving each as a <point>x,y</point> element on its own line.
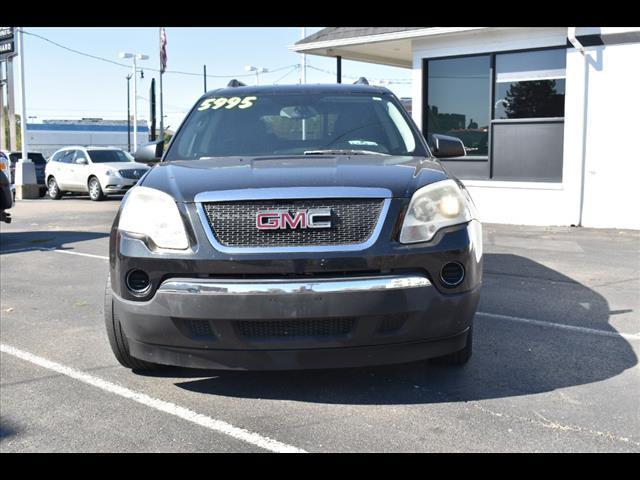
<point>5,118</point>
<point>534,99</point>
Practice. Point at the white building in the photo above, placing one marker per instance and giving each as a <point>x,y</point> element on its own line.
<point>549,116</point>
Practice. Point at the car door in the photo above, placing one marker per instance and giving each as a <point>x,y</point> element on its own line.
<point>65,170</point>
<point>52,164</point>
<point>80,171</point>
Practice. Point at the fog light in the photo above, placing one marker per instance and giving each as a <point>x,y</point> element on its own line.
<point>138,281</point>
<point>452,274</point>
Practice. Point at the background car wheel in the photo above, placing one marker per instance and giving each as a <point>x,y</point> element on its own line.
<point>457,358</point>
<point>117,340</point>
<point>53,189</point>
<point>95,190</point>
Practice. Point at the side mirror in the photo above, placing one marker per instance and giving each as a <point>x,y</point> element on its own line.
<point>444,146</point>
<point>81,161</point>
<point>149,153</point>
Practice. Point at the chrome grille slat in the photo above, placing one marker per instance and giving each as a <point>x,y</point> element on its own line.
<point>234,223</point>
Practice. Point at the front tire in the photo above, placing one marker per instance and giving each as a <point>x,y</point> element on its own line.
<point>459,358</point>
<point>117,339</point>
<point>53,189</point>
<point>95,190</point>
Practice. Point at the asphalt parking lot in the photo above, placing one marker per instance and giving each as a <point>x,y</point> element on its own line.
<point>555,364</point>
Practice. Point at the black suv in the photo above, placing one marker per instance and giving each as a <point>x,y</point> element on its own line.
<point>39,163</point>
<point>303,226</point>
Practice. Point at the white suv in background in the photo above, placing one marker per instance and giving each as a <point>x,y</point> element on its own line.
<point>98,171</point>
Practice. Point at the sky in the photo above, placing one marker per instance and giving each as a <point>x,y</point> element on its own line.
<point>65,85</point>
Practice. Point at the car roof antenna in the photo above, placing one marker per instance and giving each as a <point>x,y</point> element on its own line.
<point>361,81</point>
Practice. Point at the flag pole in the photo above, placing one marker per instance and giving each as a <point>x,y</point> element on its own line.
<point>161,72</point>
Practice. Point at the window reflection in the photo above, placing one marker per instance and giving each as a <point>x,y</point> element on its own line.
<point>532,99</point>
<point>459,102</point>
<point>530,84</point>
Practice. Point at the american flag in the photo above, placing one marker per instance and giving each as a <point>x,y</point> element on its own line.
<point>163,50</point>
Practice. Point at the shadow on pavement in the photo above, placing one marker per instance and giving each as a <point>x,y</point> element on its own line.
<point>80,196</point>
<point>7,428</point>
<point>11,242</point>
<point>510,358</point>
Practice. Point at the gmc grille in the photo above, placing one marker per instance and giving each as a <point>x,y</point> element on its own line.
<point>353,221</point>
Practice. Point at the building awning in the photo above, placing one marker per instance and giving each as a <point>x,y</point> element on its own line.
<point>381,45</point>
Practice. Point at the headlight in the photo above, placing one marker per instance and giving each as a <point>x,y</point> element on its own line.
<point>112,173</point>
<point>433,207</point>
<point>153,213</point>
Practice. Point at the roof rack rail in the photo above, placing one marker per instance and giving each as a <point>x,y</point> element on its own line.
<point>361,81</point>
<point>236,83</point>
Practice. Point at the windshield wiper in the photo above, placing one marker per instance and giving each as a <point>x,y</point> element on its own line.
<point>343,152</point>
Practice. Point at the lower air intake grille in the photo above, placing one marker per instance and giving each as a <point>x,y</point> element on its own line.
<point>199,328</point>
<point>295,328</point>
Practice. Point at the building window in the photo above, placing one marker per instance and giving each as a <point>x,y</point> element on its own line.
<point>507,108</point>
<point>530,84</point>
<point>458,101</point>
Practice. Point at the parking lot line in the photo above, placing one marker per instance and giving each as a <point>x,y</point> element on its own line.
<point>157,404</point>
<point>102,257</point>
<point>541,323</point>
<point>42,249</point>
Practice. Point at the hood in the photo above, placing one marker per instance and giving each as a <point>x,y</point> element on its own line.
<point>183,179</point>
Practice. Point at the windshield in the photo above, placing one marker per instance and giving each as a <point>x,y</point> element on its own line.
<point>108,156</point>
<point>34,157</point>
<point>295,124</point>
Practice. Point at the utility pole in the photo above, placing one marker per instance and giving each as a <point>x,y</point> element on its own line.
<point>23,102</point>
<point>205,78</point>
<point>152,112</point>
<point>3,140</point>
<point>25,172</point>
<point>163,65</point>
<point>11,105</point>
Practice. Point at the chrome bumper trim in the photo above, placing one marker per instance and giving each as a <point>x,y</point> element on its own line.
<point>280,287</point>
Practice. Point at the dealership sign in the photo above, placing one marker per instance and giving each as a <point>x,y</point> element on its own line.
<point>7,42</point>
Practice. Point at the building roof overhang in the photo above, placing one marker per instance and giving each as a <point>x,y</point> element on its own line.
<point>374,45</point>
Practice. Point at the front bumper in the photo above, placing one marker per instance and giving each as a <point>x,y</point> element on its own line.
<point>197,324</point>
<point>289,324</point>
<point>116,184</point>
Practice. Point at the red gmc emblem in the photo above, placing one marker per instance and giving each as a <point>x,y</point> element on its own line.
<point>284,219</point>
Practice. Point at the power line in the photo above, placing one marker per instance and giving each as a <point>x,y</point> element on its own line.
<point>103,59</point>
<point>295,68</point>
<point>73,50</point>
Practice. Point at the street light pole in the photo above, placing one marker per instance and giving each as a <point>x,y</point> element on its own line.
<point>135,105</point>
<point>135,56</point>
<point>258,70</point>
<point>128,115</point>
<point>303,70</point>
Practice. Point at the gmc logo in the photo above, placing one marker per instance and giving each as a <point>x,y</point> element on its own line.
<point>283,219</point>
